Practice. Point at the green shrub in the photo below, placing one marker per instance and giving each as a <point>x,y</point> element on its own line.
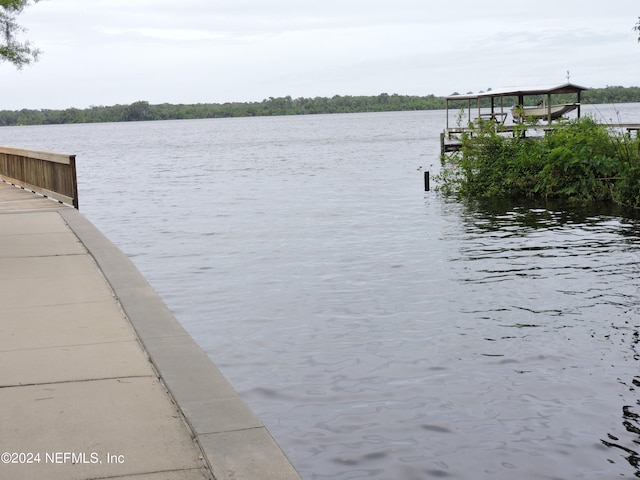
<point>578,160</point>
<point>627,188</point>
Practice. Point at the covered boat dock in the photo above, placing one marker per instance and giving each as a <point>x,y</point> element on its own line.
<point>521,93</point>
<point>521,104</point>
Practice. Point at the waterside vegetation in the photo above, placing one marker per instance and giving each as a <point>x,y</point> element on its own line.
<point>579,161</point>
<point>144,111</point>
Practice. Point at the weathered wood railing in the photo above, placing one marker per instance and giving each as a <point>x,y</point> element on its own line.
<point>50,174</point>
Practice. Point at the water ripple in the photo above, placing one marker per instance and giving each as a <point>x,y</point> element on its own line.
<point>378,331</point>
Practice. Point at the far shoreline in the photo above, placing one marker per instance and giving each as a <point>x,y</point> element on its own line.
<point>273,106</point>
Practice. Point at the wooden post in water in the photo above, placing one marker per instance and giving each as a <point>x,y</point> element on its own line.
<point>426,181</point>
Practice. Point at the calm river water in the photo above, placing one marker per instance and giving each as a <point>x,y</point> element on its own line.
<point>378,330</point>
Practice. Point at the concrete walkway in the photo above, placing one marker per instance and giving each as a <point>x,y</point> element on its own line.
<point>97,378</point>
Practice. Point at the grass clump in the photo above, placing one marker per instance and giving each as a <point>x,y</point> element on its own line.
<point>578,160</point>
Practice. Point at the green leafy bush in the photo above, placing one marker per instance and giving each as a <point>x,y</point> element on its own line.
<point>578,160</point>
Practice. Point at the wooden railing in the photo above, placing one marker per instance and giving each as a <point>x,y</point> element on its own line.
<point>50,174</point>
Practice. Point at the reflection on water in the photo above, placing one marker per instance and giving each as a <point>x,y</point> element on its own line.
<point>629,445</point>
<point>564,264</point>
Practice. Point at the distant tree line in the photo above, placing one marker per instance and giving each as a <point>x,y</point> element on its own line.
<point>611,95</point>
<point>143,111</point>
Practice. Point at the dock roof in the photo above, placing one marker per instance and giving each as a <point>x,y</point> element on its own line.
<point>526,90</point>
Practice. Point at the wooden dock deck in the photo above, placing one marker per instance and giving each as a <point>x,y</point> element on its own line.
<point>16,199</point>
<point>450,138</point>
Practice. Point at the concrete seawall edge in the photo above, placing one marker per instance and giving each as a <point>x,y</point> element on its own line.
<point>234,441</point>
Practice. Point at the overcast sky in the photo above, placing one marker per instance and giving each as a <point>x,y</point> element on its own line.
<point>106,52</point>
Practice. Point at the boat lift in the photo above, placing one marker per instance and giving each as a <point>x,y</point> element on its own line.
<point>547,111</point>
